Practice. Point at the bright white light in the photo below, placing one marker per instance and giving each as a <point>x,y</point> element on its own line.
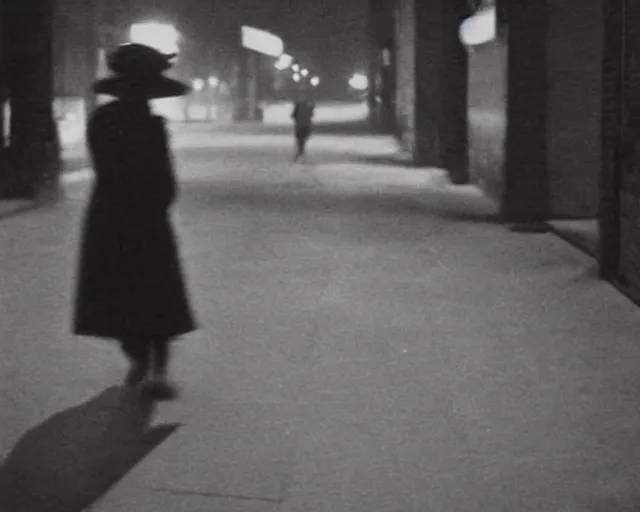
<point>359,82</point>
<point>213,81</point>
<point>295,67</point>
<point>480,28</point>
<point>315,81</point>
<point>296,77</point>
<point>162,37</point>
<point>304,72</point>
<point>284,62</point>
<point>262,41</point>
<point>198,84</point>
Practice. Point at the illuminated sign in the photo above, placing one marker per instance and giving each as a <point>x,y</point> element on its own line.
<point>262,41</point>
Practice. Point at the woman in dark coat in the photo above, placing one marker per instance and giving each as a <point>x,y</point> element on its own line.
<point>130,285</point>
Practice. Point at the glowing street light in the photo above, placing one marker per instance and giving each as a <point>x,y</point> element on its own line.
<point>162,37</point>
<point>359,82</point>
<point>198,84</point>
<point>296,77</point>
<point>480,28</point>
<point>296,68</point>
<point>213,81</point>
<point>284,62</point>
<point>315,81</point>
<point>304,72</point>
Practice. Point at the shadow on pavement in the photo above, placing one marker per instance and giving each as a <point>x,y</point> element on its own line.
<point>350,128</point>
<point>73,458</point>
<point>397,160</point>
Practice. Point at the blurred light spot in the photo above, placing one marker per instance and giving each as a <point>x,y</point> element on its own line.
<point>480,28</point>
<point>198,84</point>
<point>359,82</point>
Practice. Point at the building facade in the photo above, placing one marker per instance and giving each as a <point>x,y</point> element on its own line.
<point>549,126</point>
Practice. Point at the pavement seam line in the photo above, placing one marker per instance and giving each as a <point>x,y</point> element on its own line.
<point>215,495</point>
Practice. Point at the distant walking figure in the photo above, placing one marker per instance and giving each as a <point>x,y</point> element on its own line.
<point>302,116</point>
<point>130,285</point>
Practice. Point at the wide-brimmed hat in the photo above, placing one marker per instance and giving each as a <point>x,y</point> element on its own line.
<point>138,72</point>
<point>149,88</point>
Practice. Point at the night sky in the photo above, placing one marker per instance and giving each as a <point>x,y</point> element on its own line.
<point>330,35</point>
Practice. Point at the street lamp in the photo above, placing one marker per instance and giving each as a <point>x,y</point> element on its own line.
<point>479,28</point>
<point>315,81</point>
<point>304,72</point>
<point>213,81</point>
<point>296,68</point>
<point>284,62</point>
<point>198,84</point>
<point>296,77</point>
<point>359,82</point>
<point>162,37</point>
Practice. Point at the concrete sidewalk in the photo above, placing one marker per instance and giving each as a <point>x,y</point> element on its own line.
<point>371,341</point>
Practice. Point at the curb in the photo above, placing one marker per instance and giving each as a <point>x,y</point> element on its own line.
<point>574,240</point>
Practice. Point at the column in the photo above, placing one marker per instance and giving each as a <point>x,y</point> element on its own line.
<point>428,62</point>
<point>609,218</point>
<point>247,86</point>
<point>241,92</point>
<point>454,136</point>
<point>433,78</point>
<point>526,196</point>
<point>3,84</point>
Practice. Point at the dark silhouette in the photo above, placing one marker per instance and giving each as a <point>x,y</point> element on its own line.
<point>74,457</point>
<point>130,284</point>
<point>302,116</point>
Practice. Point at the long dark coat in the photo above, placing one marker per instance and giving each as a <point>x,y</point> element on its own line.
<point>130,285</point>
